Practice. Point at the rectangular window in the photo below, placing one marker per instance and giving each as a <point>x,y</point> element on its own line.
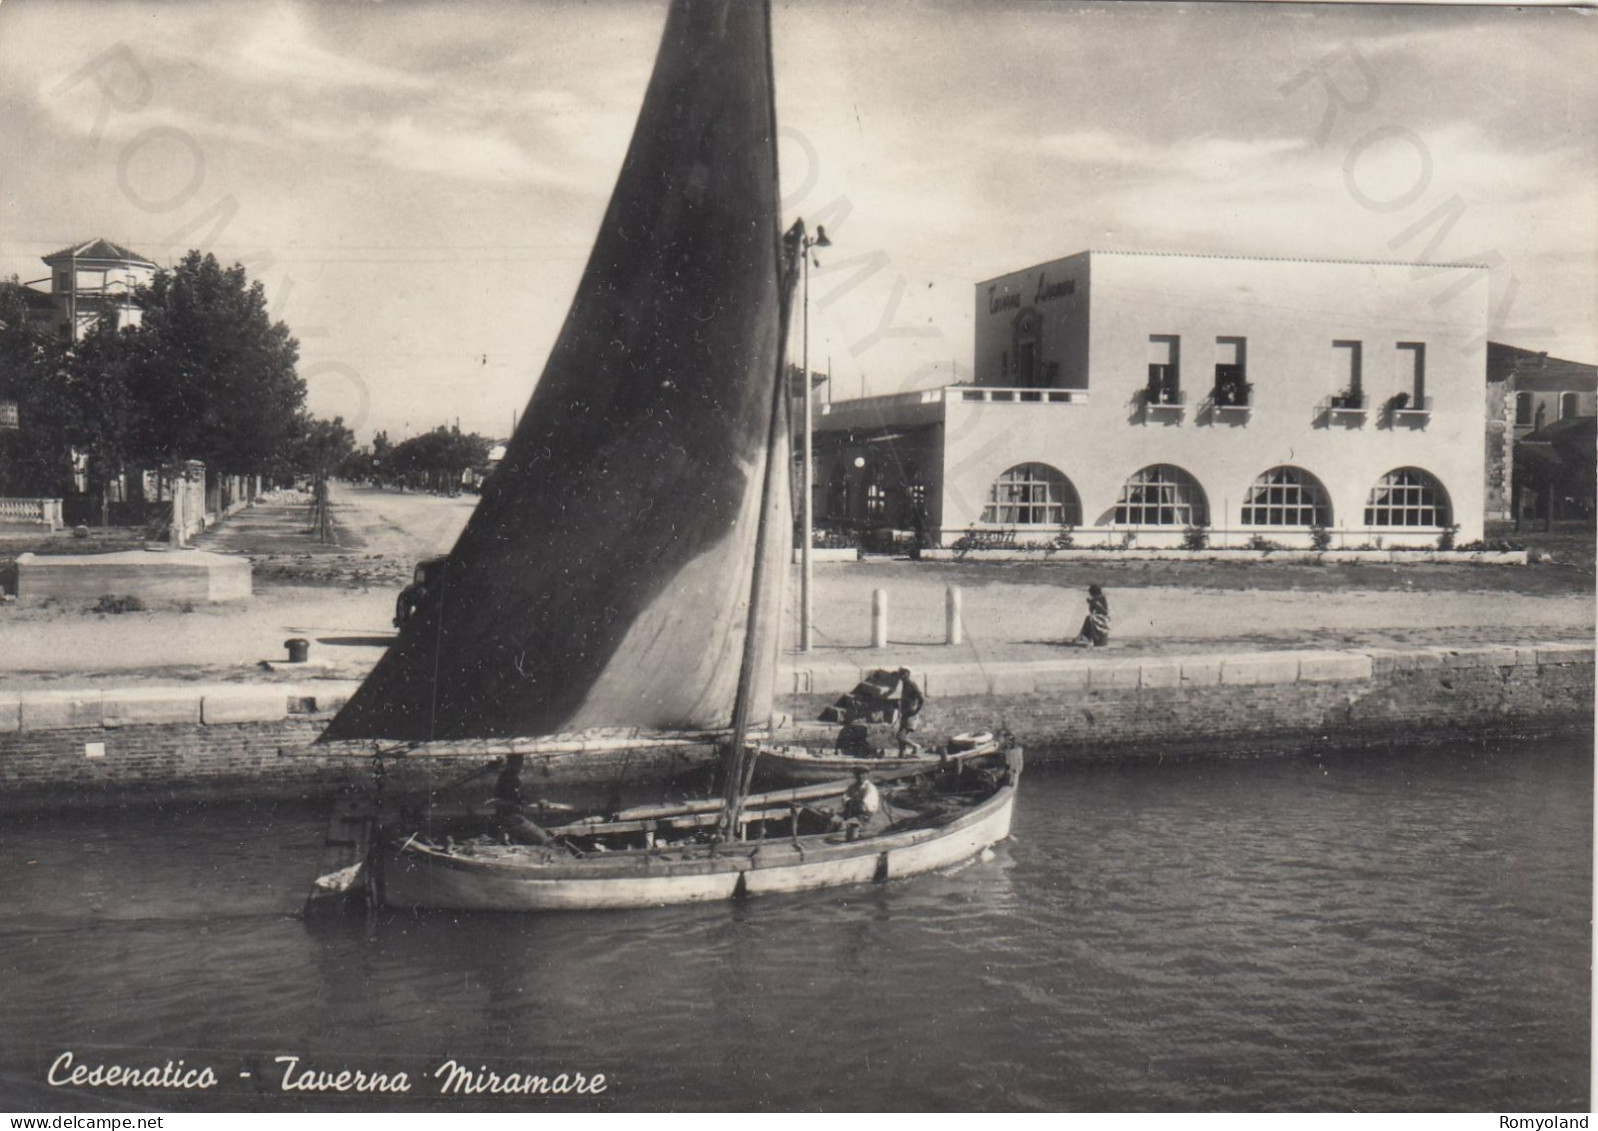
<point>1569,403</point>
<point>63,281</point>
<point>1523,410</point>
<point>1231,371</point>
<point>1351,394</point>
<point>1165,369</point>
<point>1417,371</point>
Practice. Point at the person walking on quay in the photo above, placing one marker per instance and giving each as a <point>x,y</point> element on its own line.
<point>911,700</point>
<point>1096,626</point>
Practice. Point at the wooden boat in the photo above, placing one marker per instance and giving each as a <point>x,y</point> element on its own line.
<point>791,762</point>
<point>775,852</point>
<point>619,586</point>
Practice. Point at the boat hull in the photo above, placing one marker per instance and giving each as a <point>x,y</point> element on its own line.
<point>420,877</point>
<point>782,767</point>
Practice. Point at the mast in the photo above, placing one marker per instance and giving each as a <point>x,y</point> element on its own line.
<point>737,763</point>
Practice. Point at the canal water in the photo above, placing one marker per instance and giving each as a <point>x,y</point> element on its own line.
<point>1403,930</point>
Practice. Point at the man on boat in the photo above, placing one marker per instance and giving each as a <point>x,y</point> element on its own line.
<point>861,804</point>
<point>508,804</point>
<point>911,700</point>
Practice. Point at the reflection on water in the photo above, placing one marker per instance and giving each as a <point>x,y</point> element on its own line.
<point>1359,931</point>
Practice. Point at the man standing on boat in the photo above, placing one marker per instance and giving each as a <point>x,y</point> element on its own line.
<point>911,700</point>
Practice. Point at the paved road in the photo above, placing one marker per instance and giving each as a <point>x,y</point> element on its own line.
<point>400,524</point>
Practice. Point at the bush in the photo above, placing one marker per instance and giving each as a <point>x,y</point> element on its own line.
<point>1263,544</point>
<point>110,604</point>
<point>1064,540</point>
<point>1497,545</point>
<point>1195,538</point>
<point>1445,540</point>
<point>1320,537</point>
<point>822,538</point>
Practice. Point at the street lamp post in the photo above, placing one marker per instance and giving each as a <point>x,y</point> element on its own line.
<point>807,502</point>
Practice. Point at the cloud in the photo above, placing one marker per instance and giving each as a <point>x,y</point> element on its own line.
<point>404,142</point>
<point>1207,157</point>
<point>278,48</point>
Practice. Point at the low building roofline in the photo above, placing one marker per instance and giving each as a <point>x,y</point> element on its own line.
<point>1241,258</point>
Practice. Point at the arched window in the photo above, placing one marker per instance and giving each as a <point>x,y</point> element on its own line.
<point>915,486</point>
<point>1032,494</point>
<point>1286,496</point>
<point>1408,497</point>
<point>838,491</point>
<point>913,499</point>
<point>1162,495</point>
<point>1523,410</point>
<point>876,495</point>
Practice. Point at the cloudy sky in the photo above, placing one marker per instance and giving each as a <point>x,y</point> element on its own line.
<point>417,184</point>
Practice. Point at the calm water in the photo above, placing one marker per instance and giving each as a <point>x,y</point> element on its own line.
<point>1358,931</point>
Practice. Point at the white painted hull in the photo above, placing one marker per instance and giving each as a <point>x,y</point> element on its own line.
<point>785,767</point>
<point>415,876</point>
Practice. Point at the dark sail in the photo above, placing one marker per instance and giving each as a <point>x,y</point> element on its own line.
<point>603,579</point>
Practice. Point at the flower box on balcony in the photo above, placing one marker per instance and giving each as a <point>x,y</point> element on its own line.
<point>1347,406</point>
<point>1409,411</point>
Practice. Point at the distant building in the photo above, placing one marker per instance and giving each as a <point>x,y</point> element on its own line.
<point>88,283</point>
<point>1131,397</point>
<point>1528,394</point>
<point>1545,389</point>
<point>1554,472</point>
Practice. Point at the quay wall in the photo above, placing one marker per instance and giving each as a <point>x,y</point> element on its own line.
<point>112,746</point>
<point>1263,702</point>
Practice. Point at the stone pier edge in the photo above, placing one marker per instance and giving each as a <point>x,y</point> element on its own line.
<point>45,709</point>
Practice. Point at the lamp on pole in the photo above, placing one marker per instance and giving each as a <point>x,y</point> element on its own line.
<point>806,243</point>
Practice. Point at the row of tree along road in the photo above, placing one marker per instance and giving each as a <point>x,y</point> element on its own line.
<point>202,374</point>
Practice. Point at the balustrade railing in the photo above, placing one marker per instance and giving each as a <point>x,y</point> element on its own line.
<point>31,512</point>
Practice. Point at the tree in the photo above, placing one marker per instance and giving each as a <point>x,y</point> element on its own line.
<point>213,375</point>
<point>35,457</point>
<point>439,457</point>
<point>322,446</point>
<point>103,421</point>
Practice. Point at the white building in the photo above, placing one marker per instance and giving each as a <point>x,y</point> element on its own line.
<point>1133,397</point>
<point>88,283</point>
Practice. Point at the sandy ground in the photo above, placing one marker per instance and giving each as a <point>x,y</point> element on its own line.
<point>341,598</point>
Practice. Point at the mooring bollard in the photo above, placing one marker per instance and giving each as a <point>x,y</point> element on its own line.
<point>299,649</point>
<point>879,618</point>
<point>951,615</point>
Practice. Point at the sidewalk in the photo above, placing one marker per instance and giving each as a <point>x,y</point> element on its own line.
<point>120,704</point>
<point>341,599</point>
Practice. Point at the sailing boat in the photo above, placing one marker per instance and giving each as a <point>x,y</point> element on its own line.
<point>619,585</point>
